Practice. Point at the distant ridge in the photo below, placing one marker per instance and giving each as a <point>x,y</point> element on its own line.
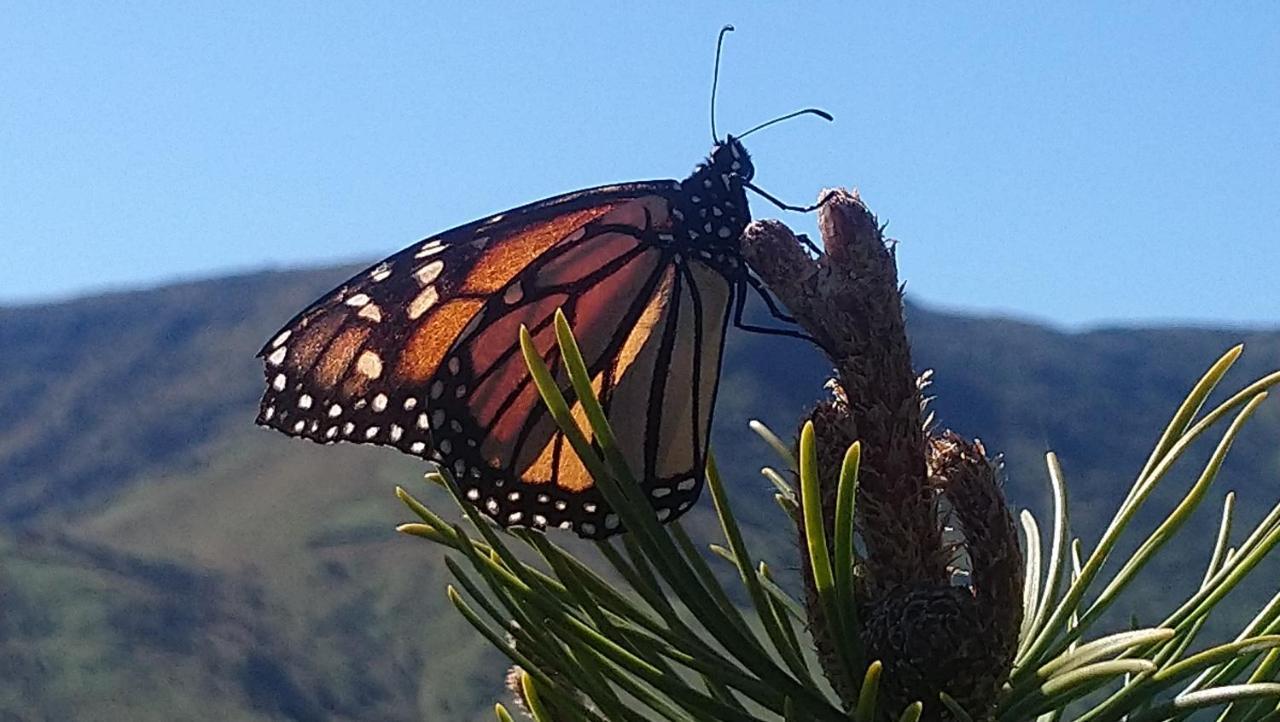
<point>161,558</point>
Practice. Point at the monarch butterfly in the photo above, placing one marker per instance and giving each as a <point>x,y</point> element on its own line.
<point>420,351</point>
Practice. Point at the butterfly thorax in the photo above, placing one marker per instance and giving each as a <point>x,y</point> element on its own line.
<point>710,212</point>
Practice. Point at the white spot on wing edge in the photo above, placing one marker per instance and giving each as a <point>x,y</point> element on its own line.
<point>369,364</point>
<point>279,382</point>
<point>278,341</point>
<point>379,403</point>
<point>429,273</point>
<point>359,299</point>
<point>513,294</point>
<point>277,357</point>
<point>430,248</point>
<point>422,302</point>
<point>371,312</point>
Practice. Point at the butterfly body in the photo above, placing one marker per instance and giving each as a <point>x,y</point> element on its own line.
<point>420,351</point>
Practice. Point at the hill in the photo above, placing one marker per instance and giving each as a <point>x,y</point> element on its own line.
<point>161,558</point>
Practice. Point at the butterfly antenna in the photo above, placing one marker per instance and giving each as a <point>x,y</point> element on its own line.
<point>807,111</point>
<point>715,80</point>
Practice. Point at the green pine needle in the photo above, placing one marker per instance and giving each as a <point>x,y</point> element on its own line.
<point>657,635</point>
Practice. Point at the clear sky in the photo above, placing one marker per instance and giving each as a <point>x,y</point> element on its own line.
<point>1082,165</point>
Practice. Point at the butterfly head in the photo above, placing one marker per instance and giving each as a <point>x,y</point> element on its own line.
<point>731,157</point>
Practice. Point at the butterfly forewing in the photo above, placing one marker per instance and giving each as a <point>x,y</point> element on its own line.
<point>357,365</point>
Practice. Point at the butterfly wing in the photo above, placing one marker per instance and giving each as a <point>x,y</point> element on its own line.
<point>337,367</point>
<point>420,352</point>
<point>648,322</point>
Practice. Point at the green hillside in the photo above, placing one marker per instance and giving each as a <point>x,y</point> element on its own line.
<point>162,558</point>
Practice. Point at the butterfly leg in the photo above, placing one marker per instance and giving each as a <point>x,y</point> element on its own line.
<point>758,286</point>
<point>740,305</point>
<point>804,238</point>
<point>787,206</point>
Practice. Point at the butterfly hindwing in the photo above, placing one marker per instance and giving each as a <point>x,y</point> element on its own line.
<point>629,300</point>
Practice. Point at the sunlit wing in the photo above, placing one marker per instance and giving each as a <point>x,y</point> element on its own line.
<point>355,365</point>
<point>421,352</point>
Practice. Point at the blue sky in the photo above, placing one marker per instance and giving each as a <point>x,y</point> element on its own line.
<point>1081,165</point>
